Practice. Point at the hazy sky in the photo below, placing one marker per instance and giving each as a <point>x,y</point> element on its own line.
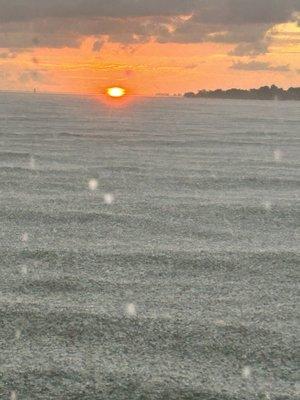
<point>148,45</point>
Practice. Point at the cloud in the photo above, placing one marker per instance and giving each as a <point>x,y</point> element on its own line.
<point>69,32</point>
<point>248,33</point>
<point>22,36</point>
<point>208,11</point>
<point>259,66</point>
<point>191,66</point>
<point>98,44</point>
<point>32,76</point>
<point>64,23</point>
<point>4,74</point>
<point>26,10</point>
<point>251,49</point>
<point>240,12</point>
<point>7,55</point>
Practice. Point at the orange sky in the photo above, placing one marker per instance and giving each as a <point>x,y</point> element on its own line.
<point>151,67</point>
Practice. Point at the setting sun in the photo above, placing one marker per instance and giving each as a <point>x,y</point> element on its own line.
<point>116,92</point>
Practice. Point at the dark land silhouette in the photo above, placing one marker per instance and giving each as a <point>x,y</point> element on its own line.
<point>263,93</point>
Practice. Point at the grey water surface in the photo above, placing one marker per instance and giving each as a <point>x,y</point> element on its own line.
<point>148,251</point>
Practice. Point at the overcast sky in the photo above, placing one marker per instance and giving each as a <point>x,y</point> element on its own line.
<point>140,39</point>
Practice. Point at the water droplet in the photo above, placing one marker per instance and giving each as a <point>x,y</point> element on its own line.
<point>267,205</point>
<point>220,322</point>
<point>24,270</point>
<point>264,396</point>
<point>18,334</point>
<point>13,395</point>
<point>93,184</point>
<point>246,372</point>
<point>24,237</point>
<point>130,310</point>
<point>278,155</point>
<point>108,198</point>
<point>32,164</point>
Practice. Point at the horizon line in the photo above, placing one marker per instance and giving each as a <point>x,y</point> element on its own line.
<point>158,94</point>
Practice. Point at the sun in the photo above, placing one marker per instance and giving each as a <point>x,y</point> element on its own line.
<point>115,91</point>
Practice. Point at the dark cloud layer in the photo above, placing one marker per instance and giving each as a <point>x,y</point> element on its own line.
<point>246,11</point>
<point>251,49</point>
<point>208,11</point>
<point>59,23</point>
<point>18,10</point>
<point>260,66</point>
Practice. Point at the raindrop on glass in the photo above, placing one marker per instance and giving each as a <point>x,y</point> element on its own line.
<point>267,205</point>
<point>108,198</point>
<point>130,310</point>
<point>32,164</point>
<point>24,237</point>
<point>93,184</point>
<point>18,334</point>
<point>13,395</point>
<point>24,270</point>
<point>246,372</point>
<point>278,155</point>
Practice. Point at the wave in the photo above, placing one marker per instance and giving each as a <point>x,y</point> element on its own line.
<point>119,357</point>
<point>14,155</point>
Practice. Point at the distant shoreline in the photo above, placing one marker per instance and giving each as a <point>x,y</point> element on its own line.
<point>263,93</point>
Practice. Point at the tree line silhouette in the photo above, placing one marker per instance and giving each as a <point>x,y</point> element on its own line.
<point>263,93</point>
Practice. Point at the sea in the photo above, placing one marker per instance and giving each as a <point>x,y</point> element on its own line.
<point>148,250</point>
